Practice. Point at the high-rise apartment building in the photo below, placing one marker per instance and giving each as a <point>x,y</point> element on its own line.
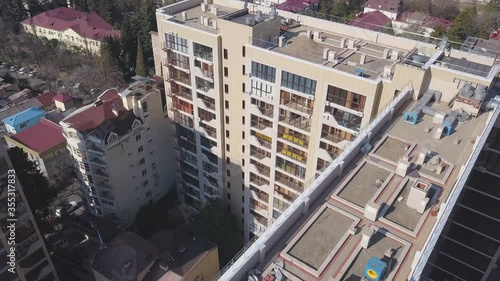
<point>264,100</point>
<point>32,260</point>
<point>121,147</point>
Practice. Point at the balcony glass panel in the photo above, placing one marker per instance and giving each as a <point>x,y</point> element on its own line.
<point>335,135</point>
<point>176,43</point>
<point>332,150</point>
<point>291,168</point>
<point>346,98</point>
<point>208,101</point>
<point>203,52</point>
<point>179,90</point>
<point>258,180</point>
<point>264,108</point>
<point>207,143</point>
<point>289,182</point>
<point>263,169</point>
<point>263,72</point>
<point>203,85</point>
<point>292,152</point>
<point>261,195</point>
<point>185,133</point>
<point>298,83</point>
<point>292,136</point>
<point>182,119</point>
<point>264,140</point>
<point>179,76</point>
<point>260,123</point>
<point>181,105</point>
<point>296,102</point>
<point>295,120</point>
<point>345,119</point>
<point>212,132</point>
<point>259,153</point>
<point>178,60</point>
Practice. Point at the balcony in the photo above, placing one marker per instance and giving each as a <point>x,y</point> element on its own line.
<point>263,125</point>
<point>179,77</point>
<point>260,140</point>
<point>188,170</point>
<point>259,218</point>
<point>212,158</point>
<point>205,102</point>
<point>181,92</point>
<point>335,117</point>
<point>95,149</point>
<point>259,194</point>
<point>181,106</point>
<point>293,154</point>
<point>183,120</point>
<point>97,161</point>
<point>258,181</point>
<point>208,131</point>
<point>203,52</point>
<point>293,137</point>
<point>28,246</point>
<point>179,64</point>
<point>183,144</point>
<point>300,123</point>
<point>260,168</point>
<point>289,182</point>
<point>211,180</point>
<point>259,209</point>
<point>204,73</point>
<point>107,195</point>
<point>264,110</point>
<point>205,86</point>
<point>260,155</point>
<point>299,108</point>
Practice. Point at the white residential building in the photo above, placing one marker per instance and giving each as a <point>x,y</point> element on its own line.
<point>122,150</point>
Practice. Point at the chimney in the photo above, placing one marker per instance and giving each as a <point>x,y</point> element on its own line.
<point>350,44</point>
<point>386,54</point>
<point>317,36</point>
<point>394,55</point>
<point>325,53</point>
<point>366,237</point>
<point>342,43</point>
<point>214,24</point>
<point>309,34</point>
<point>184,16</point>
<point>362,60</point>
<point>202,20</point>
<point>215,10</point>
<point>281,41</point>
<point>203,7</point>
<point>332,56</point>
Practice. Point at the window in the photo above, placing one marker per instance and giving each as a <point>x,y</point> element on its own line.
<point>227,133</point>
<point>226,89</point>
<point>243,135</point>
<point>228,196</point>
<point>145,107</point>
<point>243,199</point>
<point>225,54</point>
<point>142,161</point>
<point>243,120</point>
<point>228,148</point>
<point>243,162</point>
<point>138,137</point>
<point>263,72</point>
<point>345,98</point>
<point>226,72</point>
<point>228,160</point>
<point>242,175</point>
<point>23,125</point>
<point>243,51</point>
<point>203,52</point>
<point>227,120</point>
<point>176,43</point>
<point>145,183</point>
<point>243,70</point>
<point>228,185</point>
<point>228,173</point>
<point>242,210</point>
<point>243,87</point>
<point>226,104</point>
<point>140,149</point>
<point>242,104</point>
<point>298,83</point>
<point>243,148</point>
<point>261,89</point>
<point>144,172</point>
<point>243,187</point>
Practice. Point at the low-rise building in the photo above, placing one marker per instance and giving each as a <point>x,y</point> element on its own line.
<point>63,102</point>
<point>426,24</point>
<point>76,29</point>
<point>375,20</point>
<point>390,8</point>
<point>122,150</point>
<point>46,146</point>
<point>23,120</point>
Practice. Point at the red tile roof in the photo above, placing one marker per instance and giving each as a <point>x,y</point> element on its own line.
<point>373,20</point>
<point>296,5</point>
<point>384,5</point>
<point>41,137</point>
<point>88,25</point>
<point>62,98</point>
<point>495,35</point>
<point>46,98</point>
<point>429,21</point>
<point>92,116</point>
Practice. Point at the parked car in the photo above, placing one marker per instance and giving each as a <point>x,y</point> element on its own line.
<point>32,73</point>
<point>4,65</point>
<point>23,70</point>
<point>14,68</point>
<point>66,208</point>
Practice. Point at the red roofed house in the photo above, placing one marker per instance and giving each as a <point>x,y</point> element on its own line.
<point>63,102</point>
<point>46,146</point>
<point>373,20</point>
<point>47,101</point>
<point>390,8</point>
<point>495,35</point>
<point>425,22</point>
<point>75,28</point>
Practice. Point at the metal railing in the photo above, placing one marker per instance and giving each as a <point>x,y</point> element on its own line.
<point>298,107</point>
<point>300,123</point>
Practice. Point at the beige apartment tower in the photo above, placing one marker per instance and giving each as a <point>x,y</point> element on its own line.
<point>264,100</point>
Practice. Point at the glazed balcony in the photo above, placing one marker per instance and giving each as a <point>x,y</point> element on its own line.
<point>258,181</point>
<point>177,61</point>
<point>335,117</point>
<point>289,182</point>
<point>183,120</point>
<point>259,194</point>
<point>180,91</point>
<point>260,140</point>
<point>299,122</point>
<point>263,125</point>
<point>208,131</point>
<point>293,137</point>
<point>261,109</point>
<point>177,76</point>
<point>205,102</point>
<point>260,168</point>
<point>292,153</point>
<point>297,103</point>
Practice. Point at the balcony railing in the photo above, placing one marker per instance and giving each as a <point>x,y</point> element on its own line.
<point>209,102</point>
<point>178,63</point>
<point>204,55</point>
<point>182,92</point>
<point>175,76</point>
<point>210,131</point>
<point>298,107</point>
<point>261,195</point>
<point>331,137</point>
<point>263,169</point>
<point>259,154</point>
<point>300,123</point>
<point>262,125</point>
<point>302,141</point>
<point>259,181</point>
<point>296,156</point>
<point>287,182</point>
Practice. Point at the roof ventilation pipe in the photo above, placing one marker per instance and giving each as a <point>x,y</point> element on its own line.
<point>281,41</point>
<point>184,16</point>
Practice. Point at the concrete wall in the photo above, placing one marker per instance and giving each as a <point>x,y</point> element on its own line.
<point>157,49</point>
<point>180,6</point>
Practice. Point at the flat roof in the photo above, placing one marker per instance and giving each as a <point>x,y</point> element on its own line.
<point>297,44</point>
<point>324,235</point>
<point>465,65</point>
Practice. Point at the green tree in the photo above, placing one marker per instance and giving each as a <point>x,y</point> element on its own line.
<point>103,8</point>
<point>215,223</point>
<point>493,5</point>
<point>154,217</point>
<point>139,63</point>
<point>438,32</point>
<point>35,186</point>
<point>463,25</point>
<point>13,12</point>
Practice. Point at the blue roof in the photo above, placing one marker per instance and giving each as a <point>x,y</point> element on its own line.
<point>23,116</point>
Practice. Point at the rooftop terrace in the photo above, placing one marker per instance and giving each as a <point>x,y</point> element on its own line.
<point>373,199</point>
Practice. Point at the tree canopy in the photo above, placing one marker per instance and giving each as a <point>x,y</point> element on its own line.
<point>215,223</point>
<point>139,63</point>
<point>463,25</point>
<point>154,217</point>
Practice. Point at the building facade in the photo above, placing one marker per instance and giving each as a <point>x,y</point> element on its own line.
<point>259,111</point>
<point>32,261</point>
<point>121,148</point>
<point>23,120</point>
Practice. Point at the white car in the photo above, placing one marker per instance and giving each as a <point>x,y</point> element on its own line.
<point>22,70</point>
<point>32,73</point>
<point>66,208</point>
